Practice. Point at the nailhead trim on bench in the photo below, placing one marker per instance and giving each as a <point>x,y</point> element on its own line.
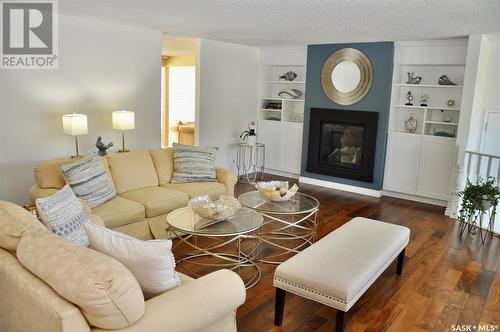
<point>311,291</point>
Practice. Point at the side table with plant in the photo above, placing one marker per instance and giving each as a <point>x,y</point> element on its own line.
<point>478,199</point>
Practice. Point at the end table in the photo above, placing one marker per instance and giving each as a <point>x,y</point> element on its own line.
<point>250,162</point>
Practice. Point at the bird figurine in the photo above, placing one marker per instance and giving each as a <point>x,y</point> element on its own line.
<point>413,79</point>
<point>444,80</point>
<point>102,147</point>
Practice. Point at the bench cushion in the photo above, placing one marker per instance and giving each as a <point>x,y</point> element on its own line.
<point>340,267</point>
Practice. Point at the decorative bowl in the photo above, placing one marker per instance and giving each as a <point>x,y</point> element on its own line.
<point>276,190</point>
<point>222,208</point>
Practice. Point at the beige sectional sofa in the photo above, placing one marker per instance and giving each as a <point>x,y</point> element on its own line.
<point>145,193</point>
<point>29,304</point>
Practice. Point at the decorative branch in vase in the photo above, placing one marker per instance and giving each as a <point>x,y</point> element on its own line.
<point>249,135</point>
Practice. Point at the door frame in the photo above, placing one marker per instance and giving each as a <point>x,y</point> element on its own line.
<point>485,123</point>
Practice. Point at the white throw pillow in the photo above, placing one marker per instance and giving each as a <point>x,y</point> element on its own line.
<point>151,262</point>
<point>63,214</point>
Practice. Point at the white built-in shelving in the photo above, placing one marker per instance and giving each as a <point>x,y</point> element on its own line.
<point>281,129</point>
<point>285,82</point>
<point>272,85</point>
<point>419,164</point>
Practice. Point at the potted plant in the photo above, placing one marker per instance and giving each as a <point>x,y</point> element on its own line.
<point>249,135</point>
<point>478,197</point>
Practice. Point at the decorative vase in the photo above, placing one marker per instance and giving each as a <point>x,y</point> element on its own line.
<point>251,140</point>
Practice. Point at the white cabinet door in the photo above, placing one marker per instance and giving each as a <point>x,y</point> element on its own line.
<point>402,161</point>
<point>269,133</point>
<point>292,147</point>
<point>436,165</point>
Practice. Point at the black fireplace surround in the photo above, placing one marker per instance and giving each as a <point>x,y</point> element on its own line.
<point>342,143</point>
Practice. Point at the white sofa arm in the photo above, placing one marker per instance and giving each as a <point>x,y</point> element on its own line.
<point>193,306</point>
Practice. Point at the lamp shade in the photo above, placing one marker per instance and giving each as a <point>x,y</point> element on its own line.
<point>123,120</point>
<point>75,124</point>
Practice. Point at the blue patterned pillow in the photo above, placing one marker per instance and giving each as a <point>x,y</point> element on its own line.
<point>63,214</point>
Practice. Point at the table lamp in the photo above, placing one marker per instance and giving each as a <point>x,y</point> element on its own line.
<point>123,120</point>
<point>75,125</point>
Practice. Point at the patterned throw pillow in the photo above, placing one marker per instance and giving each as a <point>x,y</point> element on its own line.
<point>89,180</point>
<point>63,214</point>
<point>193,164</point>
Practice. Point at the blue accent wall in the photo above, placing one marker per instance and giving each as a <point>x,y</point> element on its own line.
<point>377,100</point>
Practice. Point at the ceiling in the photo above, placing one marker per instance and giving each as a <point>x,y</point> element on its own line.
<point>177,46</point>
<point>292,22</point>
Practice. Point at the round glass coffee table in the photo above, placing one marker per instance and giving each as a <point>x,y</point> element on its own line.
<point>204,245</point>
<point>288,227</point>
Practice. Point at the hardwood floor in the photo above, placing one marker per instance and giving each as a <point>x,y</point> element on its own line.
<point>446,279</point>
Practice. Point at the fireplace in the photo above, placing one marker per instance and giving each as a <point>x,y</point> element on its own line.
<point>342,143</point>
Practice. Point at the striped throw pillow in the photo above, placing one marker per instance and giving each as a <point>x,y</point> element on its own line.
<point>193,164</point>
<point>89,181</point>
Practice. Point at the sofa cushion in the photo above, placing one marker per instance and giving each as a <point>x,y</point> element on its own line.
<point>151,262</point>
<point>194,164</point>
<point>120,211</point>
<point>89,181</point>
<point>139,230</point>
<point>132,170</point>
<point>107,293</point>
<point>213,189</point>
<point>48,173</point>
<point>157,200</point>
<point>14,223</point>
<point>63,214</point>
<point>164,164</point>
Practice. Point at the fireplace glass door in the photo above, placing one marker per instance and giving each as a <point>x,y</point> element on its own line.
<point>341,145</point>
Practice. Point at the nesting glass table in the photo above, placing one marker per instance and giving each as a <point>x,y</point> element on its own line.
<point>231,244</point>
<point>288,226</point>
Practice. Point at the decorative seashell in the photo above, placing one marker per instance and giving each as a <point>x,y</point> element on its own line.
<point>290,94</point>
<point>276,190</point>
<point>289,76</point>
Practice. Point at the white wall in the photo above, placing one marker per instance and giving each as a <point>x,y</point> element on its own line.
<point>469,131</point>
<point>227,90</point>
<point>491,98</point>
<point>102,68</point>
<point>485,54</point>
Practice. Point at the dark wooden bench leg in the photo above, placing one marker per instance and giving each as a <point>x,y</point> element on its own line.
<point>401,259</point>
<point>339,321</point>
<point>279,306</point>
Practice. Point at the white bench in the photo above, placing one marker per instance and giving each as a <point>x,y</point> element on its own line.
<point>340,267</point>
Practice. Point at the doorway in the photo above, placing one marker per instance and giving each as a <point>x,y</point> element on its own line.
<point>489,145</point>
<point>178,90</point>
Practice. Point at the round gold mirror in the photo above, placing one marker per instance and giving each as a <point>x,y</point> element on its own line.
<point>347,76</point>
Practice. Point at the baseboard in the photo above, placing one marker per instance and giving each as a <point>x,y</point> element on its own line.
<point>281,173</point>
<point>415,198</point>
<point>340,186</point>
